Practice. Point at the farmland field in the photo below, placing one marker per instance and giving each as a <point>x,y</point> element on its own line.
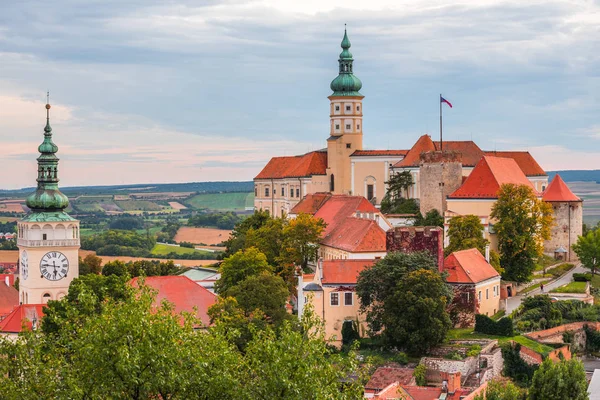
<point>202,235</point>
<point>164,249</point>
<point>176,205</point>
<point>105,259</point>
<point>222,201</point>
<point>11,207</point>
<point>134,205</point>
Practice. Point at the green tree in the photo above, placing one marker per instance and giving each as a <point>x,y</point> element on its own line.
<point>239,266</point>
<point>265,292</point>
<point>377,283</point>
<point>268,239</point>
<point>91,264</point>
<point>502,389</point>
<point>558,381</point>
<point>419,373</point>
<point>395,200</point>
<point>415,315</point>
<point>587,249</point>
<point>301,240</point>
<point>431,218</point>
<point>523,223</point>
<point>399,183</point>
<point>237,240</point>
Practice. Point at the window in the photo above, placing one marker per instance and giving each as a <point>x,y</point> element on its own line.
<point>348,108</point>
<point>335,299</point>
<point>44,236</point>
<point>348,145</point>
<point>256,191</point>
<point>297,192</point>
<point>370,192</point>
<point>479,295</point>
<point>357,108</point>
<point>337,108</point>
<point>266,192</point>
<point>487,294</point>
<point>348,300</point>
<point>291,192</point>
<point>337,126</point>
<point>348,127</point>
<point>282,191</point>
<point>358,126</point>
<point>331,183</point>
<point>543,187</point>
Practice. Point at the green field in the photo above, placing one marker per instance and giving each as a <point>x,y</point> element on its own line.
<point>468,333</point>
<point>222,201</point>
<point>573,287</point>
<point>163,249</point>
<point>138,205</point>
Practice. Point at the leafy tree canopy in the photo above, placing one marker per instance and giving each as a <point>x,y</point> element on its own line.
<point>431,218</point>
<point>239,266</point>
<point>523,223</point>
<point>502,389</point>
<point>587,249</point>
<point>558,381</point>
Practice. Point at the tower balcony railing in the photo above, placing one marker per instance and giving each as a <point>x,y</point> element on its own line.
<point>48,243</point>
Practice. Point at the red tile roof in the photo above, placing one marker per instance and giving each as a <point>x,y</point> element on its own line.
<point>394,153</point>
<point>184,293</point>
<point>432,393</point>
<point>526,162</point>
<point>21,316</point>
<point>487,177</point>
<point>9,298</point>
<point>468,266</point>
<point>471,153</point>
<point>558,190</point>
<point>340,206</point>
<point>413,156</point>
<point>11,278</point>
<point>311,203</point>
<point>385,376</point>
<point>356,235</point>
<point>337,272</point>
<point>313,163</point>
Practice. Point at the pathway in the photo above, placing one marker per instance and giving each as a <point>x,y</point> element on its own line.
<point>515,301</point>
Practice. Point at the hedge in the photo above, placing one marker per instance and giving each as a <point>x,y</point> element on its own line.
<point>502,327</point>
<point>577,277</point>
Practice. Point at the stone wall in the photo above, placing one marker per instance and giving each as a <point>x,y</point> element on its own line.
<point>568,225</point>
<point>440,174</point>
<point>410,239</point>
<point>435,367</point>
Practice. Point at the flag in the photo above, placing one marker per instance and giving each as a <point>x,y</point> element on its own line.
<point>443,100</point>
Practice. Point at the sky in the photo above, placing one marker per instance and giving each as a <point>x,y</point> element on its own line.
<point>156,91</point>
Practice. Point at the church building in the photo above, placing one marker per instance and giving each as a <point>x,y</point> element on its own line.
<point>48,237</point>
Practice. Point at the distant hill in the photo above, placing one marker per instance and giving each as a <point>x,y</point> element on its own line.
<point>200,187</point>
<point>577,175</point>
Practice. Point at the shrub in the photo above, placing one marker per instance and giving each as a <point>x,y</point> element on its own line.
<point>502,327</point>
<point>187,244</point>
<point>400,358</point>
<point>474,350</point>
<point>419,374</point>
<point>453,355</point>
<point>578,277</point>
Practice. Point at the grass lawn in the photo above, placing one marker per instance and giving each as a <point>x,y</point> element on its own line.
<point>153,230</point>
<point>222,201</point>
<point>468,333</point>
<point>573,287</point>
<point>544,261</point>
<point>163,249</point>
<point>560,269</point>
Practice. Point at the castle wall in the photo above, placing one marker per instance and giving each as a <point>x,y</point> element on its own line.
<point>410,239</point>
<point>440,174</point>
<point>568,226</point>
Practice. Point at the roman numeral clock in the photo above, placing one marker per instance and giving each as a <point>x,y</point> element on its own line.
<point>48,237</point>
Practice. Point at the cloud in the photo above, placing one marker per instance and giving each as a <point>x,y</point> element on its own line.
<point>160,84</point>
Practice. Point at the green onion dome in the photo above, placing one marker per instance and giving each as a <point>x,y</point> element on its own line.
<point>346,84</point>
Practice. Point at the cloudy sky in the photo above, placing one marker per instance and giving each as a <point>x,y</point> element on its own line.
<point>149,91</point>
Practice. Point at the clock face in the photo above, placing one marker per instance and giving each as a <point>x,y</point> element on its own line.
<point>54,266</point>
<point>24,265</point>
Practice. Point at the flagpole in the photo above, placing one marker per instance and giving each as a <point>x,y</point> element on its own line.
<point>441,138</point>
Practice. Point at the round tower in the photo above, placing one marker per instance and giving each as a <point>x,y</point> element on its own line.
<point>346,125</point>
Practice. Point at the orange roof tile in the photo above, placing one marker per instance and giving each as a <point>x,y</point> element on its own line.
<point>313,163</point>
<point>340,206</point>
<point>343,271</point>
<point>487,177</point>
<point>22,315</point>
<point>413,156</point>
<point>385,376</point>
<point>468,266</point>
<point>311,203</point>
<point>356,235</point>
<point>558,190</point>
<point>526,162</point>
<point>471,153</point>
<point>184,293</point>
<point>431,393</point>
<point>9,298</point>
<point>393,153</point>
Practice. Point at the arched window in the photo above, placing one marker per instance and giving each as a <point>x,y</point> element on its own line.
<point>45,298</point>
<point>332,183</point>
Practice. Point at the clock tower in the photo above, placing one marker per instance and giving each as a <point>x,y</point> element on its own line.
<point>48,237</point>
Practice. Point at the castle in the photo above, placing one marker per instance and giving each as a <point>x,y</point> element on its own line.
<point>453,177</point>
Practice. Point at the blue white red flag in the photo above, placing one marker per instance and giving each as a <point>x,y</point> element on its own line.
<point>443,100</point>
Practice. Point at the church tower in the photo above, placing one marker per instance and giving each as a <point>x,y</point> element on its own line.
<point>345,122</point>
<point>48,237</point>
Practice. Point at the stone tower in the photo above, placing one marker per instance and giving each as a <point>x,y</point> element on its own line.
<point>345,122</point>
<point>48,237</point>
<point>440,174</point>
<point>568,218</point>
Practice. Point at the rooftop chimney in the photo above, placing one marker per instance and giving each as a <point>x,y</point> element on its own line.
<point>452,381</point>
<point>487,253</point>
<point>7,281</point>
